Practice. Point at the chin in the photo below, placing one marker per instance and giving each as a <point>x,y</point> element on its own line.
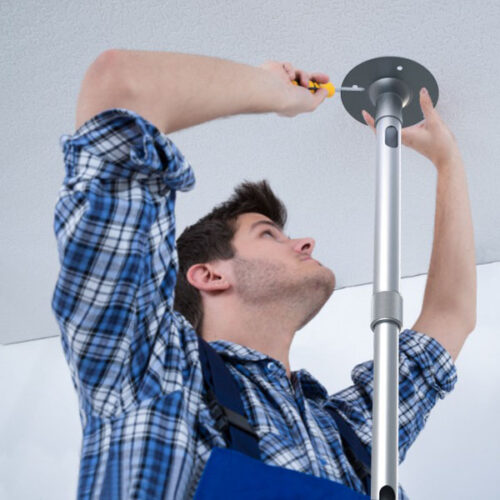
<point>334,279</point>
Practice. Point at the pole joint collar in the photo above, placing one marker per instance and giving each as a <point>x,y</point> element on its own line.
<point>387,306</point>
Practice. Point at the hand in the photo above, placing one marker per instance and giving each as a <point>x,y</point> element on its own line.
<point>296,98</point>
<point>431,137</point>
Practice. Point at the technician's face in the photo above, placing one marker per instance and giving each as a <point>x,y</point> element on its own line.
<point>269,266</point>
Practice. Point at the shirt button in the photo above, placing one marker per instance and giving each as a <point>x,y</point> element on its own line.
<point>270,366</point>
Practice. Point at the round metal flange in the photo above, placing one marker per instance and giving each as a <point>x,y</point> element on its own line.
<point>398,75</point>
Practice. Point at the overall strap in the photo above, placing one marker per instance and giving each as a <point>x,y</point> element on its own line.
<point>222,387</point>
<point>355,450</point>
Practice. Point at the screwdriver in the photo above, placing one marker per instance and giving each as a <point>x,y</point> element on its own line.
<point>314,86</point>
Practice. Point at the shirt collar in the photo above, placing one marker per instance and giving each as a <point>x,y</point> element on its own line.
<point>238,351</point>
<point>311,388</point>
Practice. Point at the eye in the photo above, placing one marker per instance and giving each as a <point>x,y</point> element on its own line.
<point>268,232</point>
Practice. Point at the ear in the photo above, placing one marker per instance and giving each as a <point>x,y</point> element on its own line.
<point>207,278</point>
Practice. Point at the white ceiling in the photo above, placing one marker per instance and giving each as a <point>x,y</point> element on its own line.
<point>321,164</point>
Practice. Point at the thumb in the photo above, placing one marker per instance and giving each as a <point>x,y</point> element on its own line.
<point>426,105</point>
<point>319,97</point>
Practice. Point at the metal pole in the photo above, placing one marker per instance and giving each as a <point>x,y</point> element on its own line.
<point>387,303</point>
<point>391,84</point>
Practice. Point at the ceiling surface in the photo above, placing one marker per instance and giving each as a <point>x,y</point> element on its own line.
<point>321,164</point>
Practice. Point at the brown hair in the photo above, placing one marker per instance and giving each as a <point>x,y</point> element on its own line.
<point>210,239</point>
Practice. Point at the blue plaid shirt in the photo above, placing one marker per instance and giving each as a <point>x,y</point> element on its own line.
<point>147,427</point>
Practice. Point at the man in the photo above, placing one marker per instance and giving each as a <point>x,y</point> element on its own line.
<point>130,302</point>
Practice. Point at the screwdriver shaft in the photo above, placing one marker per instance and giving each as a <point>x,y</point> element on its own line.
<point>351,89</point>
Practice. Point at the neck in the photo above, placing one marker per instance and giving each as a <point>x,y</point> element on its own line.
<point>263,327</point>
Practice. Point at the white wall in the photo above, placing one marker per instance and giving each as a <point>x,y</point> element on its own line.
<point>456,456</point>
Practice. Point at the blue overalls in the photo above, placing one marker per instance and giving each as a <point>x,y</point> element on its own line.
<point>238,473</point>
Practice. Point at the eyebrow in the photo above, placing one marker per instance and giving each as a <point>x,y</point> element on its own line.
<point>267,222</point>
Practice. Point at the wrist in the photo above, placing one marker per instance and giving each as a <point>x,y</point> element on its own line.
<point>451,160</point>
<point>267,95</point>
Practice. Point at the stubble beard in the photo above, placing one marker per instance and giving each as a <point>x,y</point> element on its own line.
<point>266,284</point>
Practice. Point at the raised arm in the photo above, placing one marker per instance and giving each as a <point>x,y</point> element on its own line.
<point>115,227</point>
<point>175,91</point>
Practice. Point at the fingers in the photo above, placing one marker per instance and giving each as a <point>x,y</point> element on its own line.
<point>320,77</point>
<point>426,105</point>
<point>303,77</point>
<point>406,133</point>
<point>319,96</point>
<point>289,69</point>
<point>369,120</point>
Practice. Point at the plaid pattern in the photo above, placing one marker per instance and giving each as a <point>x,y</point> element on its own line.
<point>147,426</point>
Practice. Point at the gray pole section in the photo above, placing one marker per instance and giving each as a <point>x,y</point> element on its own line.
<point>387,303</point>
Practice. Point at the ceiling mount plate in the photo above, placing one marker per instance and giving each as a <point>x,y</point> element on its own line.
<point>389,74</point>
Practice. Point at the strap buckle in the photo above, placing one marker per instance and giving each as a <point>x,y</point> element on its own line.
<point>233,417</point>
<point>238,420</point>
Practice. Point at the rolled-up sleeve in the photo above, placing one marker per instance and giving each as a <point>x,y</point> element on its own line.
<point>426,373</point>
<point>115,229</point>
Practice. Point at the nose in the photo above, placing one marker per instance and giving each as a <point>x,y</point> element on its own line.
<point>305,245</point>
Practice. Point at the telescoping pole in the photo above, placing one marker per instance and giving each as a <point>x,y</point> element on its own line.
<point>387,303</point>
<point>391,89</point>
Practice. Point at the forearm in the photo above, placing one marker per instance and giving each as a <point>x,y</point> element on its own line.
<point>451,281</point>
<point>176,90</point>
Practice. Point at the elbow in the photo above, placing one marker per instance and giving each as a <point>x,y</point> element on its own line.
<point>109,58</point>
<point>103,87</point>
<point>108,70</point>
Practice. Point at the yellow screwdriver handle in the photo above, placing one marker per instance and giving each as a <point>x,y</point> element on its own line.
<point>313,86</point>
